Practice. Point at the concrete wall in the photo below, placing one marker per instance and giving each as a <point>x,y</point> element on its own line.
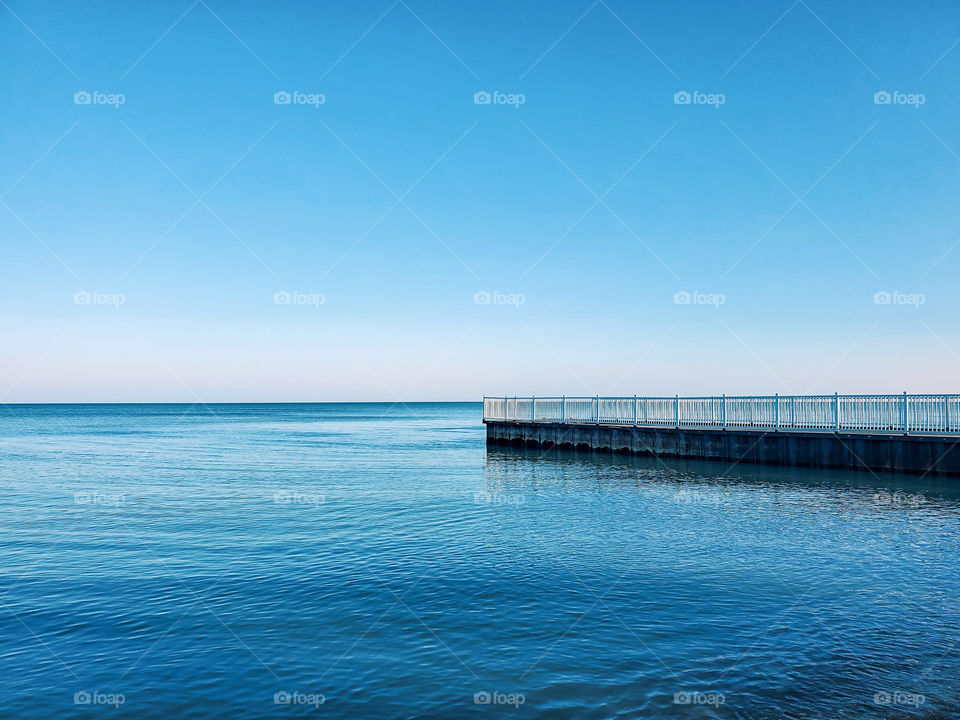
<point>851,451</point>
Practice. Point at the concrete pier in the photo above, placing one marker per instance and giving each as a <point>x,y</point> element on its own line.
<point>849,450</point>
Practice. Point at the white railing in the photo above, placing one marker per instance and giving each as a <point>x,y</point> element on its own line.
<point>883,413</point>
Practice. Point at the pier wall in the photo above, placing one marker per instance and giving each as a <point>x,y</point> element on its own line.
<point>847,450</point>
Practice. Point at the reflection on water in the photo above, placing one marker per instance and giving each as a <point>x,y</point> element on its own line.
<point>788,592</point>
<point>876,490</point>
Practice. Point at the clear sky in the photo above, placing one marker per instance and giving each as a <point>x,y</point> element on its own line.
<point>149,235</point>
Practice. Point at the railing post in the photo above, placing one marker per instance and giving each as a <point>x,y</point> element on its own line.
<point>836,411</point>
<point>533,408</point>
<point>635,411</point>
<point>563,408</point>
<point>906,414</point>
<point>676,409</point>
<point>723,410</point>
<point>597,409</point>
<point>776,411</point>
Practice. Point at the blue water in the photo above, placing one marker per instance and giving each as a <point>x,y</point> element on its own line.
<point>368,561</point>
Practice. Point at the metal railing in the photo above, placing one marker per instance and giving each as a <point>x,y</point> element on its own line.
<point>881,413</point>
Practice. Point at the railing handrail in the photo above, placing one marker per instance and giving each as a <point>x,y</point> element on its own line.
<point>912,396</point>
<point>900,413</point>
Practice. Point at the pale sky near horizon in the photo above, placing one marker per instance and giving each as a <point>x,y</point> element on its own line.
<point>172,230</point>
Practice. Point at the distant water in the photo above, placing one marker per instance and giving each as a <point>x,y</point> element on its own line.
<point>376,561</point>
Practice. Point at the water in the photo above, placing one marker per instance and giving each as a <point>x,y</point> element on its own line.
<point>188,562</point>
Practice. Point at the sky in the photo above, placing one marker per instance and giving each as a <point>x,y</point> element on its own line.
<point>415,200</point>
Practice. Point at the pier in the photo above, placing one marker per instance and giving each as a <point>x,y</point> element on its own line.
<point>908,433</point>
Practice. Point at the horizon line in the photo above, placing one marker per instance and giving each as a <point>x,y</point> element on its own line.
<point>247,402</point>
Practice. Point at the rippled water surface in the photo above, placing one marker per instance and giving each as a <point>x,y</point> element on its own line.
<point>368,561</point>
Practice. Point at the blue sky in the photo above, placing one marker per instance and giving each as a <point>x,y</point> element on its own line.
<point>145,242</point>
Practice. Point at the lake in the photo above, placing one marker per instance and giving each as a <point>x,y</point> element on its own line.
<point>376,560</point>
